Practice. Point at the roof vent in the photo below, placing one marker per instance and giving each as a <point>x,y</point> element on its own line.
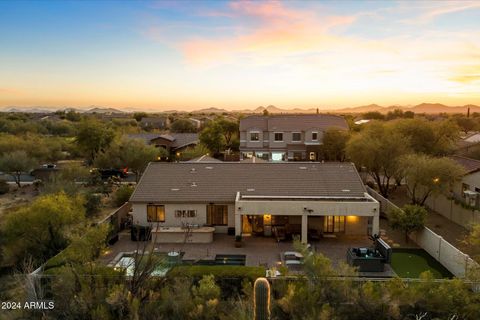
<point>345,190</point>
<point>303,168</point>
<point>209,168</point>
<point>175,189</point>
<point>193,170</point>
<point>250,189</point>
<point>193,184</point>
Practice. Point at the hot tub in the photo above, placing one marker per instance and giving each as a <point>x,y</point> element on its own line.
<point>180,235</point>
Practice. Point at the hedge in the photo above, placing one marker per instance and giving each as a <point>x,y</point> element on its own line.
<point>197,271</point>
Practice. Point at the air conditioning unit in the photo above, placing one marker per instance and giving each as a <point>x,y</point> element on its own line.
<point>470,197</point>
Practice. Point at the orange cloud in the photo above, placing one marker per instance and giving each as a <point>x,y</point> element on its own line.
<point>280,31</point>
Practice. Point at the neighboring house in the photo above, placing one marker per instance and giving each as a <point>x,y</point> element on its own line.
<point>467,143</point>
<point>154,122</point>
<point>462,205</point>
<point>264,199</point>
<point>197,123</point>
<point>468,188</point>
<point>172,142</point>
<point>286,137</point>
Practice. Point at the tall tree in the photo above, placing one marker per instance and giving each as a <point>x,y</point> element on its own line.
<point>425,175</point>
<point>93,137</point>
<point>378,149</point>
<point>183,126</point>
<point>133,154</point>
<point>16,163</point>
<point>410,218</point>
<point>466,124</point>
<point>229,129</point>
<point>212,137</point>
<point>43,228</point>
<point>334,144</point>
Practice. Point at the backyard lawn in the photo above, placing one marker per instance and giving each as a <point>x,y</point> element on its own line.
<point>410,263</point>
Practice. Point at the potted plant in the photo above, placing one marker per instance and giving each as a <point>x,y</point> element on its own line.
<point>238,241</point>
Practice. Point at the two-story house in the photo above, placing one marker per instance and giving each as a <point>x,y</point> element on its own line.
<point>286,137</point>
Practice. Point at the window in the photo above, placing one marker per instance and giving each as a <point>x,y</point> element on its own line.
<point>296,136</point>
<point>185,213</point>
<point>155,213</point>
<point>278,156</point>
<point>217,215</point>
<point>314,136</point>
<point>312,156</point>
<point>297,156</point>
<point>334,224</point>
<point>262,155</point>
<point>278,136</point>
<point>254,136</point>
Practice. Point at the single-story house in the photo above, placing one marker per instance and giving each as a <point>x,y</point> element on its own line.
<point>258,199</point>
<point>468,188</point>
<point>172,142</point>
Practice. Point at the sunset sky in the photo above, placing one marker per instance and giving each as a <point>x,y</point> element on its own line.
<point>236,55</point>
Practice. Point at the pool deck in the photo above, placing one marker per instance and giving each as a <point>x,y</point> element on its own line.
<point>259,251</point>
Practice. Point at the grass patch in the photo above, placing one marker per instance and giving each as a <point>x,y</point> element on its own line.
<point>410,263</point>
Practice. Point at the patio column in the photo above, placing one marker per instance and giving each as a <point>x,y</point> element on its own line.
<point>304,228</point>
<point>238,224</point>
<point>376,223</point>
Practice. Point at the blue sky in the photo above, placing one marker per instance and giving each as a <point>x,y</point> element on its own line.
<point>238,54</point>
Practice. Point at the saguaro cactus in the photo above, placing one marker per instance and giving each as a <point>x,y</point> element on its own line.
<point>261,297</point>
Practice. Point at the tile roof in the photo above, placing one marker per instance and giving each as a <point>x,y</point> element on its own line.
<point>179,139</point>
<point>470,165</point>
<point>205,159</point>
<point>293,122</point>
<point>220,182</point>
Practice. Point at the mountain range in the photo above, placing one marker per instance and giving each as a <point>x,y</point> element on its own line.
<point>429,108</point>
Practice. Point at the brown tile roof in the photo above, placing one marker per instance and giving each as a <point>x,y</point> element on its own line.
<point>470,165</point>
<point>205,159</point>
<point>179,139</point>
<point>293,122</point>
<point>219,182</point>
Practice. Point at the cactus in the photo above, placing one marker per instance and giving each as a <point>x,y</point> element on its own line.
<point>261,299</point>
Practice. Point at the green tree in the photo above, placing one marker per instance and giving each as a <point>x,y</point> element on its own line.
<point>183,126</point>
<point>93,203</point>
<point>93,137</point>
<point>410,218</point>
<point>122,195</point>
<point>334,144</point>
<point>43,228</point>
<point>229,130</point>
<point>378,148</point>
<point>212,137</point>
<point>373,115</point>
<point>16,163</point>
<point>425,175</point>
<point>133,154</point>
<point>194,152</point>
<point>138,116</point>
<point>466,124</point>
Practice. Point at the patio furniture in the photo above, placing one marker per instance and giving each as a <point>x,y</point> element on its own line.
<point>313,234</point>
<point>292,255</point>
<point>370,259</point>
<point>279,233</point>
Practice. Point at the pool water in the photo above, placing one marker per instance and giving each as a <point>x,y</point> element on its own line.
<point>165,263</point>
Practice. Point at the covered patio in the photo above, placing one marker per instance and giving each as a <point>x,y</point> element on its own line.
<point>359,215</point>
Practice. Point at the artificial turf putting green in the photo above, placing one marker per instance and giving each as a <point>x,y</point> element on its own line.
<point>409,263</point>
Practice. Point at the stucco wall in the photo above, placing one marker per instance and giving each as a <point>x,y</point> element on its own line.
<point>140,215</point>
<point>455,212</point>
<point>356,225</point>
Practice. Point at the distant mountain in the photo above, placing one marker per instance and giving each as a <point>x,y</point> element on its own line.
<point>103,110</point>
<point>26,109</point>
<point>210,110</point>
